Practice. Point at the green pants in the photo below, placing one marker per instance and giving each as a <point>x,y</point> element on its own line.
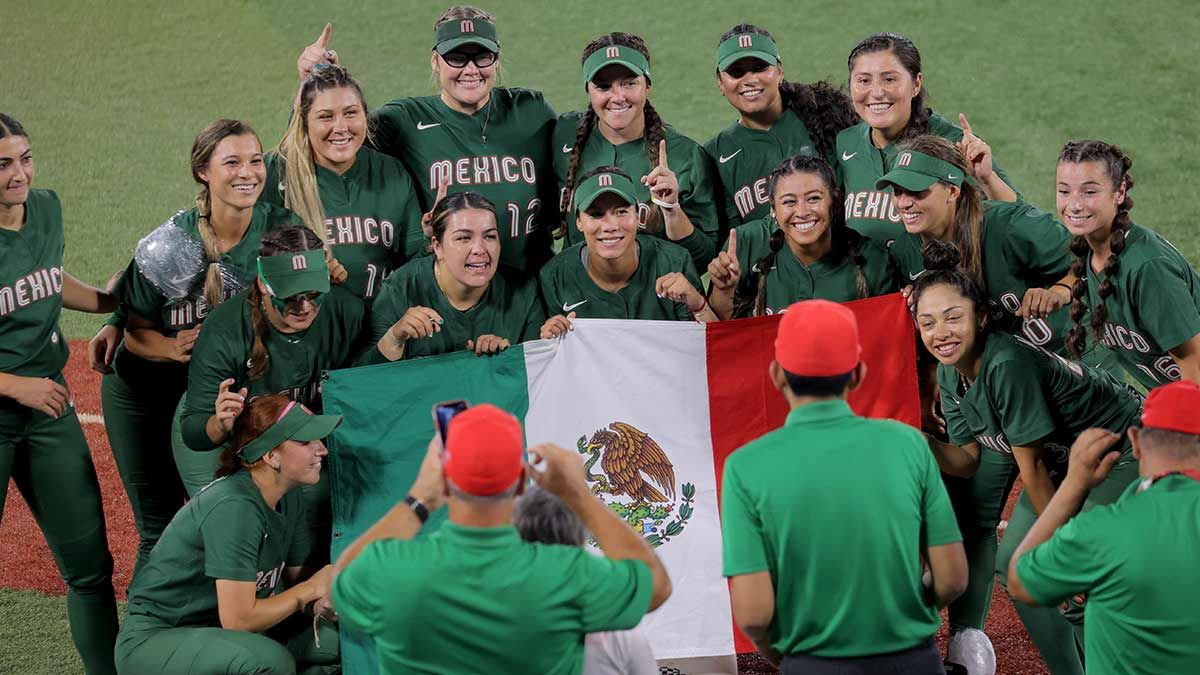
<point>285,649</point>
<point>1058,634</point>
<point>49,461</point>
<point>196,468</point>
<point>138,418</point>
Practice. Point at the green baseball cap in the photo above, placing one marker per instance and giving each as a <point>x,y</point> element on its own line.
<point>619,55</point>
<point>295,423</point>
<point>458,32</point>
<point>289,274</point>
<point>916,172</point>
<point>596,185</point>
<point>746,46</point>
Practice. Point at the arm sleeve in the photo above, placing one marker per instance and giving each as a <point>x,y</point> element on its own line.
<point>389,306</point>
<point>939,521</point>
<point>957,429</point>
<point>535,314</point>
<point>410,242</point>
<point>696,195</point>
<point>548,292</point>
<point>301,541</point>
<point>1070,562</point>
<point>1163,304</point>
<point>232,533</point>
<point>613,594</point>
<point>880,269</point>
<point>212,362</point>
<point>1015,389</point>
<point>384,124</point>
<point>1039,244</point>
<point>360,590</point>
<point>272,194</point>
<point>141,297</point>
<point>744,550</point>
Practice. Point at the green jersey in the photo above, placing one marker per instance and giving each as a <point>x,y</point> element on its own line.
<point>480,600</point>
<point>859,591</point>
<point>295,362</point>
<point>509,308</point>
<point>567,287</point>
<point>31,285</point>
<point>1022,248</point>
<point>372,218</point>
<point>1136,561</point>
<point>859,164</point>
<point>745,157</point>
<point>1025,394</point>
<point>1154,308</point>
<point>788,280</point>
<point>502,152</point>
<point>225,532</point>
<point>685,157</point>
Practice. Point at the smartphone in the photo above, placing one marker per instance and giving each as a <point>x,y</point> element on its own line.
<point>443,413</point>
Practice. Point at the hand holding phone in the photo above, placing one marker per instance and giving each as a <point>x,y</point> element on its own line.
<point>443,413</point>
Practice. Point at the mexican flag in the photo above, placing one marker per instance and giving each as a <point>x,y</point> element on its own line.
<point>671,399</point>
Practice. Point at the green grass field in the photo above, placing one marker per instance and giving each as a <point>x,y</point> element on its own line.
<point>113,93</point>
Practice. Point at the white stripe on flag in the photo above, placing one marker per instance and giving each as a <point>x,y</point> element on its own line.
<point>90,418</point>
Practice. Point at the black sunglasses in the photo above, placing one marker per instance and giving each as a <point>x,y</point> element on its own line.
<point>480,59</point>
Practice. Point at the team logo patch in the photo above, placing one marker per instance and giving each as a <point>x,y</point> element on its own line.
<point>637,481</point>
<point>467,26</point>
<point>745,41</point>
<point>612,52</point>
<point>299,262</point>
<point>905,159</point>
<point>605,180</point>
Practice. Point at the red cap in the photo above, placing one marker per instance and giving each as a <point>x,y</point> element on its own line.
<point>485,450</point>
<point>1173,407</point>
<point>818,338</point>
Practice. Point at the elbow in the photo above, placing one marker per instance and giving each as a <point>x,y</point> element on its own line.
<point>661,589</point>
<point>230,621</point>
<point>1015,588</point>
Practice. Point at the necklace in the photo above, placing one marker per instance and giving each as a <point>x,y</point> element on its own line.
<point>487,117</point>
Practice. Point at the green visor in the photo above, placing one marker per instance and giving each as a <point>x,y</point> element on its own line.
<point>458,32</point>
<point>620,55</point>
<point>916,172</point>
<point>289,274</point>
<point>746,46</point>
<point>296,423</point>
<point>594,186</point>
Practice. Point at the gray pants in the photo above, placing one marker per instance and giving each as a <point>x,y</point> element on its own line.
<point>920,660</point>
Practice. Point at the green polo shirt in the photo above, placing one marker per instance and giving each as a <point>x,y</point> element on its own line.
<point>510,308</point>
<point>836,508</point>
<point>1136,561</point>
<point>481,600</point>
<point>226,532</point>
<point>744,158</point>
<point>1155,306</point>
<point>788,280</point>
<point>567,287</point>
<point>1025,394</point>
<point>1022,248</point>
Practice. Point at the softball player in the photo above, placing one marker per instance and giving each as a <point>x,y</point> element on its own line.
<point>620,128</point>
<point>887,88</point>
<point>359,201</point>
<point>802,250</point>
<point>150,368</point>
<point>473,135</point>
<point>222,590</point>
<point>1003,395</point>
<point>42,447</point>
<point>777,120</point>
<point>1143,295</point>
<point>460,298</point>
<point>279,336</point>
<point>611,273</point>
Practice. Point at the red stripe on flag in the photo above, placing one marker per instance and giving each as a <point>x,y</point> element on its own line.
<point>744,404</point>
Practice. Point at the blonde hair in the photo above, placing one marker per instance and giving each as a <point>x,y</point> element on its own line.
<point>456,12</point>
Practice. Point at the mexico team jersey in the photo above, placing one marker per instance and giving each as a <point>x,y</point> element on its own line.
<point>372,218</point>
<point>567,287</point>
<point>830,278</point>
<point>31,283</point>
<point>509,308</point>
<point>685,157</point>
<point>1026,394</point>
<point>1022,248</point>
<point>226,532</point>
<point>502,152</point>
<point>745,157</point>
<point>860,164</point>
<point>1155,306</point>
<point>296,360</point>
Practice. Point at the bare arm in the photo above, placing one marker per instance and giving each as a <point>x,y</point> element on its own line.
<point>948,566</point>
<point>753,597</point>
<point>955,460</point>
<point>84,298</point>
<point>1187,357</point>
<point>1034,475</point>
<point>240,609</point>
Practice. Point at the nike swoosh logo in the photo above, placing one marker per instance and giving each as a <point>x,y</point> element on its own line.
<point>567,148</point>
<point>421,126</point>
<point>951,176</point>
<point>567,308</point>
<point>913,277</point>
<point>847,156</point>
<point>722,159</point>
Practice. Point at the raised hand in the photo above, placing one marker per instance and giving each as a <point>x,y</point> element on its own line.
<point>724,271</point>
<point>977,153</point>
<point>487,344</point>
<point>556,326</point>
<point>1038,303</point>
<point>558,471</point>
<point>675,286</point>
<point>317,52</point>
<point>229,404</point>
<point>417,322</point>
<point>337,271</point>
<point>1092,457</point>
<point>427,219</point>
<point>663,184</point>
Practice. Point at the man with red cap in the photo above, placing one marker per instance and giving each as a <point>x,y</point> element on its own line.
<point>826,520</point>
<point>473,597</point>
<point>1133,560</point>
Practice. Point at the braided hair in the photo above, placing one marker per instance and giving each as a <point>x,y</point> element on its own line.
<point>655,129</point>
<point>1116,163</point>
<point>277,241</point>
<point>846,242</point>
<point>823,108</point>
<point>905,52</point>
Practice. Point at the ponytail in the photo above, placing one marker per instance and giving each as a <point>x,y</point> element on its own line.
<point>214,286</point>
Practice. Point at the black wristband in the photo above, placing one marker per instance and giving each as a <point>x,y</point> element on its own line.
<point>418,508</point>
